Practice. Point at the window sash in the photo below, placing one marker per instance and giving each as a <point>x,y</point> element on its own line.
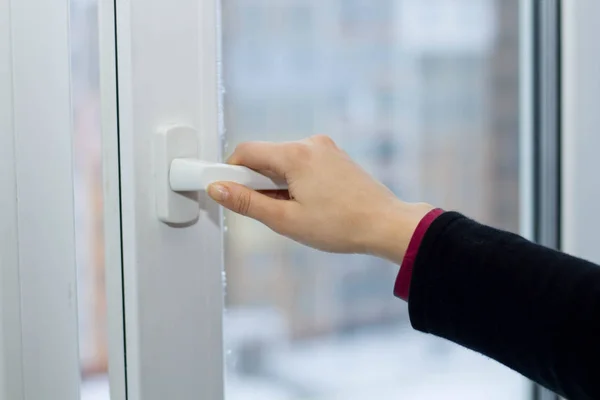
<point>172,276</point>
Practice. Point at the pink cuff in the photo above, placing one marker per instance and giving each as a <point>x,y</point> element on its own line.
<point>402,285</point>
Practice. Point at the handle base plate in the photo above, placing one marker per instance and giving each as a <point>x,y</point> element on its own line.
<point>170,143</point>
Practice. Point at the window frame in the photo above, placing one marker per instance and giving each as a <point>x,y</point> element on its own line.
<point>172,275</point>
<point>38,297</point>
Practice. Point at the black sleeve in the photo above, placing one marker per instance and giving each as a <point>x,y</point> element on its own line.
<point>531,308</point>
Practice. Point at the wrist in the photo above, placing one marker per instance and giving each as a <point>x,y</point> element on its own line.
<point>393,229</point>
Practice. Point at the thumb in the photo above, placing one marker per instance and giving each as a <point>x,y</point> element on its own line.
<point>247,202</point>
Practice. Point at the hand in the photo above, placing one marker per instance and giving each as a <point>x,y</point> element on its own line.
<point>332,204</point>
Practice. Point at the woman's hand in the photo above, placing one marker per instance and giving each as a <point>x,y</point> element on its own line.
<point>332,204</point>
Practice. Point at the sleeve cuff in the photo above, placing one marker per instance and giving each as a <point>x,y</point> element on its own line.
<point>402,285</point>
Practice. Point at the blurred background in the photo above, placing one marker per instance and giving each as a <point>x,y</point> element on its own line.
<point>424,95</point>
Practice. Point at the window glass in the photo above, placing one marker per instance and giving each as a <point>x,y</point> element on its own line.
<point>424,94</point>
<point>85,87</point>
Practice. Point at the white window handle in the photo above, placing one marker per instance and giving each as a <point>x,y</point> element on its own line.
<point>190,174</point>
<point>179,176</point>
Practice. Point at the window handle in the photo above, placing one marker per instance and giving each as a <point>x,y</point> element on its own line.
<point>190,174</point>
<point>180,176</point>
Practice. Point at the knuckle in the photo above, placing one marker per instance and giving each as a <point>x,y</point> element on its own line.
<point>242,202</point>
<point>299,151</point>
<point>324,140</point>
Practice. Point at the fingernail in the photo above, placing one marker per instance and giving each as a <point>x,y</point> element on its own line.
<point>218,193</point>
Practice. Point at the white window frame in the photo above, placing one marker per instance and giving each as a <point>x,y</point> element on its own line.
<point>38,294</point>
<point>172,276</point>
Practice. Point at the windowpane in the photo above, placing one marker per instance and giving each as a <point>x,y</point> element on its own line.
<point>93,341</point>
<point>425,95</point>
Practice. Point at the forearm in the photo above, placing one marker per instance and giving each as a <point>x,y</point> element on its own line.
<point>531,308</point>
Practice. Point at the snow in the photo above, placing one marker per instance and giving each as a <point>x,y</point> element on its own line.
<point>392,363</point>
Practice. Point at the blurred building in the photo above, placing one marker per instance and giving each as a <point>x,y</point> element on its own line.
<point>422,94</point>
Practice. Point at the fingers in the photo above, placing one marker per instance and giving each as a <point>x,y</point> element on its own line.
<point>277,157</point>
<point>259,156</point>
<point>250,203</point>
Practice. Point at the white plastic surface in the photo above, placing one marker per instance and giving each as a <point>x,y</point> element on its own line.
<point>188,174</point>
<point>172,275</point>
<point>173,207</point>
<point>38,275</point>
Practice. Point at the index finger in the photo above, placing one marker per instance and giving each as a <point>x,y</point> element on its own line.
<point>259,156</point>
